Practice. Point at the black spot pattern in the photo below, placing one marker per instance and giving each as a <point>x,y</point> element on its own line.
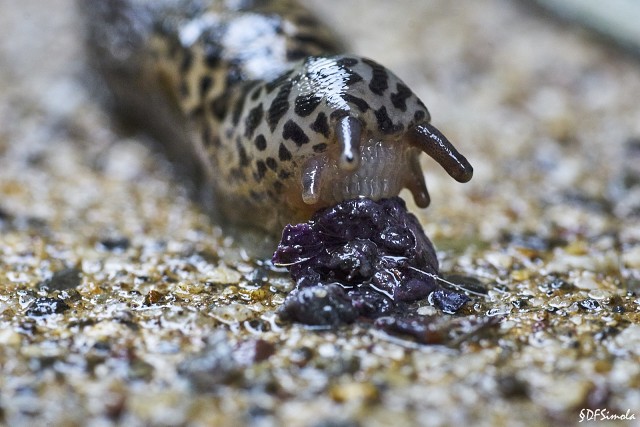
<point>219,106</point>
<point>353,78</point>
<point>234,75</point>
<point>184,89</point>
<point>306,104</point>
<point>350,77</point>
<point>196,112</point>
<point>205,85</point>
<point>187,61</point>
<point>212,54</point>
<point>261,142</point>
<point>237,110</point>
<point>419,116</point>
<point>261,169</point>
<point>338,114</point>
<point>256,94</point>
<point>242,153</point>
<point>283,153</point>
<point>347,62</point>
<point>319,148</point>
<point>272,163</point>
<point>255,196</point>
<point>237,175</point>
<point>296,54</point>
<point>253,120</point>
<point>321,125</point>
<point>358,102</point>
<point>279,106</point>
<point>385,124</point>
<point>307,20</point>
<point>399,99</point>
<point>239,106</point>
<point>380,79</point>
<point>272,85</point>
<point>283,174</point>
<point>206,135</point>
<point>174,48</point>
<point>295,133</point>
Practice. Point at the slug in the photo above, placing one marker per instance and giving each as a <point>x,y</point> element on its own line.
<point>282,121</point>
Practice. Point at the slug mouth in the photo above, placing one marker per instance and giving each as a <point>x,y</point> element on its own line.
<point>385,168</point>
<point>377,168</point>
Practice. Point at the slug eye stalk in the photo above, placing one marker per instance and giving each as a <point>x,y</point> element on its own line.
<point>431,141</point>
<point>348,132</point>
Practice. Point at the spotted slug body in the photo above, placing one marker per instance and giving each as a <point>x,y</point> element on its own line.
<point>283,122</point>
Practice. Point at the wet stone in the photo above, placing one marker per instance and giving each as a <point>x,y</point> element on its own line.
<point>4,215</point>
<point>532,241</point>
<point>319,305</point>
<point>46,306</point>
<point>140,370</point>
<point>258,413</point>
<point>61,280</point>
<point>116,244</point>
<point>557,283</point>
<point>27,327</point>
<point>449,301</point>
<point>153,297</point>
<point>332,422</point>
<point>223,362</point>
<point>618,309</point>
<point>213,366</point>
<point>253,351</point>
<point>371,303</point>
<point>520,303</point>
<point>589,304</point>
<point>510,386</point>
<point>554,284</point>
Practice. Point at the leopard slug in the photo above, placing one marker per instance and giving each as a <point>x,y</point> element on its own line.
<point>282,121</point>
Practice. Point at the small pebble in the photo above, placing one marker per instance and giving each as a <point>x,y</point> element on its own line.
<point>115,243</point>
<point>45,306</point>
<point>589,304</point>
<point>63,279</point>
<point>319,305</point>
<point>449,301</point>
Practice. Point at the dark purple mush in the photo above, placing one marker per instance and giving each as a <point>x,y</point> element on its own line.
<point>371,258</point>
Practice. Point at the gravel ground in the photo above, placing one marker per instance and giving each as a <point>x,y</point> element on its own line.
<point>122,304</point>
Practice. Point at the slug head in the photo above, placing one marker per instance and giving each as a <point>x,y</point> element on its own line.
<point>374,130</point>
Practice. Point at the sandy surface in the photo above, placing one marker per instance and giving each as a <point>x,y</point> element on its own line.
<point>120,302</point>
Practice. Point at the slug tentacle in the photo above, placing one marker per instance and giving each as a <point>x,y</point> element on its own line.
<point>435,144</point>
<point>281,122</point>
<point>348,132</point>
<point>311,180</point>
<point>416,184</point>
